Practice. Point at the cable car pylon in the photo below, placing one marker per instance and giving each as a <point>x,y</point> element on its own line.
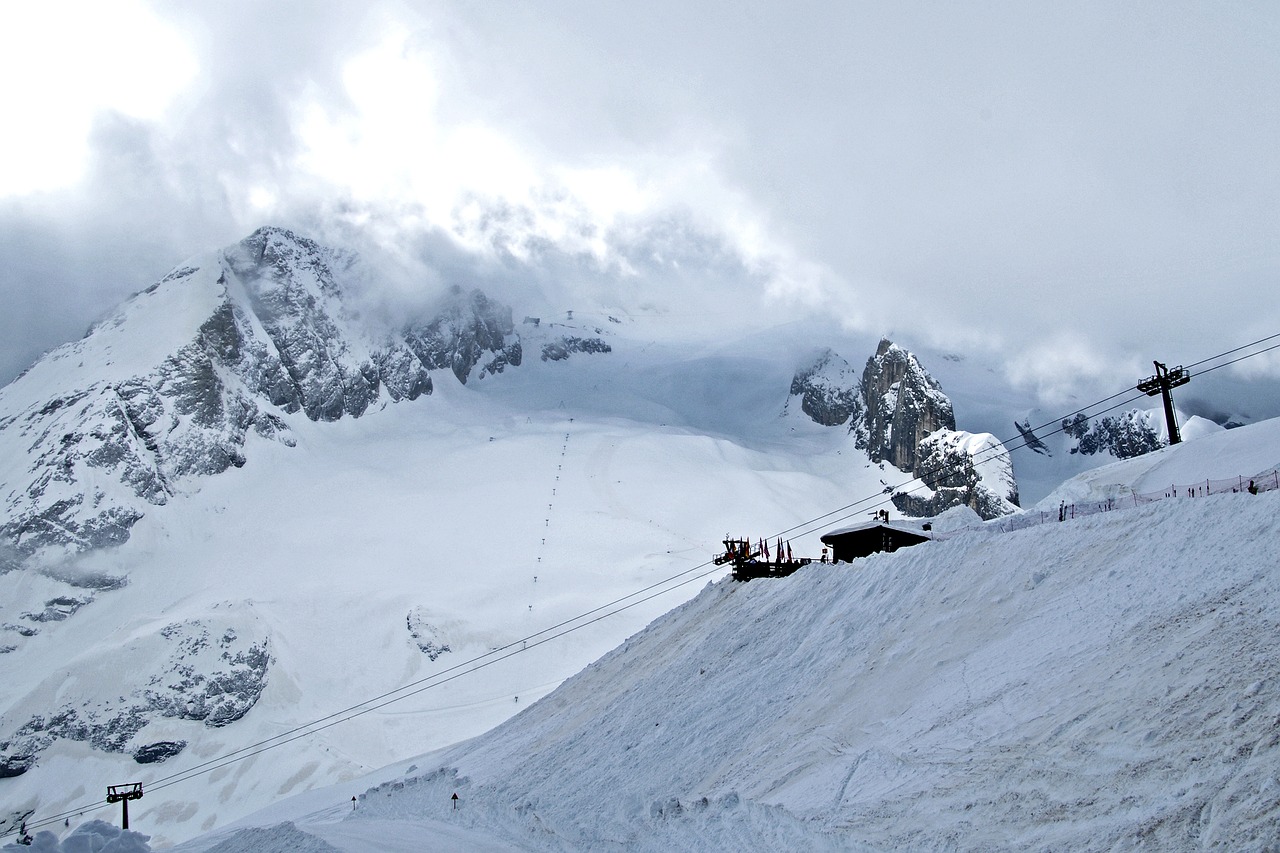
<point>1163,383</point>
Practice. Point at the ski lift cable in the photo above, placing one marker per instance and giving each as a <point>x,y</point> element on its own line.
<point>1011,444</point>
<point>1004,448</point>
<point>1237,360</point>
<point>886,495</point>
<point>568,626</point>
<point>534,640</point>
<point>1234,351</point>
<point>390,697</point>
<point>422,688</point>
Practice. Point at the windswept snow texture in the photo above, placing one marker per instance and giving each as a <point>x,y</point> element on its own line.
<point>1108,683</point>
<point>96,836</point>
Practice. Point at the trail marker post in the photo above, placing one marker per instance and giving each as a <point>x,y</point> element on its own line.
<point>1163,383</point>
<point>122,794</point>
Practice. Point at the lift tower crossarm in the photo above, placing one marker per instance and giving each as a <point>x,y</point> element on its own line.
<point>122,794</point>
<point>1163,383</point>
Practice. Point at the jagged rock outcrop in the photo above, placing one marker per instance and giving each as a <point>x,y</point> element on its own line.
<point>903,405</point>
<point>1124,436</point>
<point>562,348</point>
<point>307,362</point>
<point>898,414</point>
<point>961,469</point>
<point>828,390</point>
<point>212,674</point>
<point>426,636</point>
<point>468,328</point>
<point>161,750</point>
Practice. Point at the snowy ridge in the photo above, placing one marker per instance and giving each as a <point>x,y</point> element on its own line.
<point>170,387</point>
<point>469,520</point>
<point>1212,455</point>
<point>350,545</point>
<point>973,694</point>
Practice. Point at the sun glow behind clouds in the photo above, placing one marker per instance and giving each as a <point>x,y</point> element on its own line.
<point>386,144</point>
<point>402,136</point>
<point>62,63</point>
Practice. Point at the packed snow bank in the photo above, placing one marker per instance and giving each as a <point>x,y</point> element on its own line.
<point>1108,683</point>
<point>1236,453</point>
<point>96,836</point>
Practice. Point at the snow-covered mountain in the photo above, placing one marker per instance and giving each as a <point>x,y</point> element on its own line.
<point>237,505</point>
<point>1106,683</point>
<point>170,386</point>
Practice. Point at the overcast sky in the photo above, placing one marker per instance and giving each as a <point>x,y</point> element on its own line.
<point>1076,188</point>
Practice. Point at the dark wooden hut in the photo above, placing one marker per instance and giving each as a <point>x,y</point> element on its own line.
<point>860,540</point>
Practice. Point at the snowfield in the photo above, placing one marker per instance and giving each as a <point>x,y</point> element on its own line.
<point>256,548</point>
<point>470,519</point>
<point>1107,683</point>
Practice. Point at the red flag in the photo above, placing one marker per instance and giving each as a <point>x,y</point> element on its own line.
<point>764,548</point>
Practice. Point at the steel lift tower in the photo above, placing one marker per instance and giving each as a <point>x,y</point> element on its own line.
<point>1163,383</point>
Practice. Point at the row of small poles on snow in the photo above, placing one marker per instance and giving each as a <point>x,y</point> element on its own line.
<point>546,523</point>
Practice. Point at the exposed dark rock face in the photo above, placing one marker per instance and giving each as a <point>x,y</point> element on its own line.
<point>1123,436</point>
<point>898,414</point>
<point>949,464</point>
<point>466,328</point>
<point>291,285</point>
<point>57,609</point>
<point>903,405</point>
<point>826,390</point>
<point>214,678</point>
<point>404,376</point>
<point>16,764</point>
<point>426,636</point>
<point>559,350</point>
<point>161,750</point>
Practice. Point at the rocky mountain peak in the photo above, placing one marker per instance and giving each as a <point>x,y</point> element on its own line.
<point>898,414</point>
<point>227,345</point>
<point>827,390</point>
<point>1128,434</point>
<point>469,327</point>
<point>903,405</point>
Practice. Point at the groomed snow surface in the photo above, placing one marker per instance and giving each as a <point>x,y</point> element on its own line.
<point>471,519</point>
<point>1107,683</point>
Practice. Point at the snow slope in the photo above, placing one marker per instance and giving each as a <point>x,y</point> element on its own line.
<point>300,546</point>
<point>469,519</point>
<point>1108,683</point>
<point>1212,454</point>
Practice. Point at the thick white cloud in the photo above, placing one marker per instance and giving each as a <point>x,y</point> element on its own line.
<point>62,63</point>
<point>1077,188</point>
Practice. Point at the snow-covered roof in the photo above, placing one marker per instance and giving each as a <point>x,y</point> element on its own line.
<point>906,525</point>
